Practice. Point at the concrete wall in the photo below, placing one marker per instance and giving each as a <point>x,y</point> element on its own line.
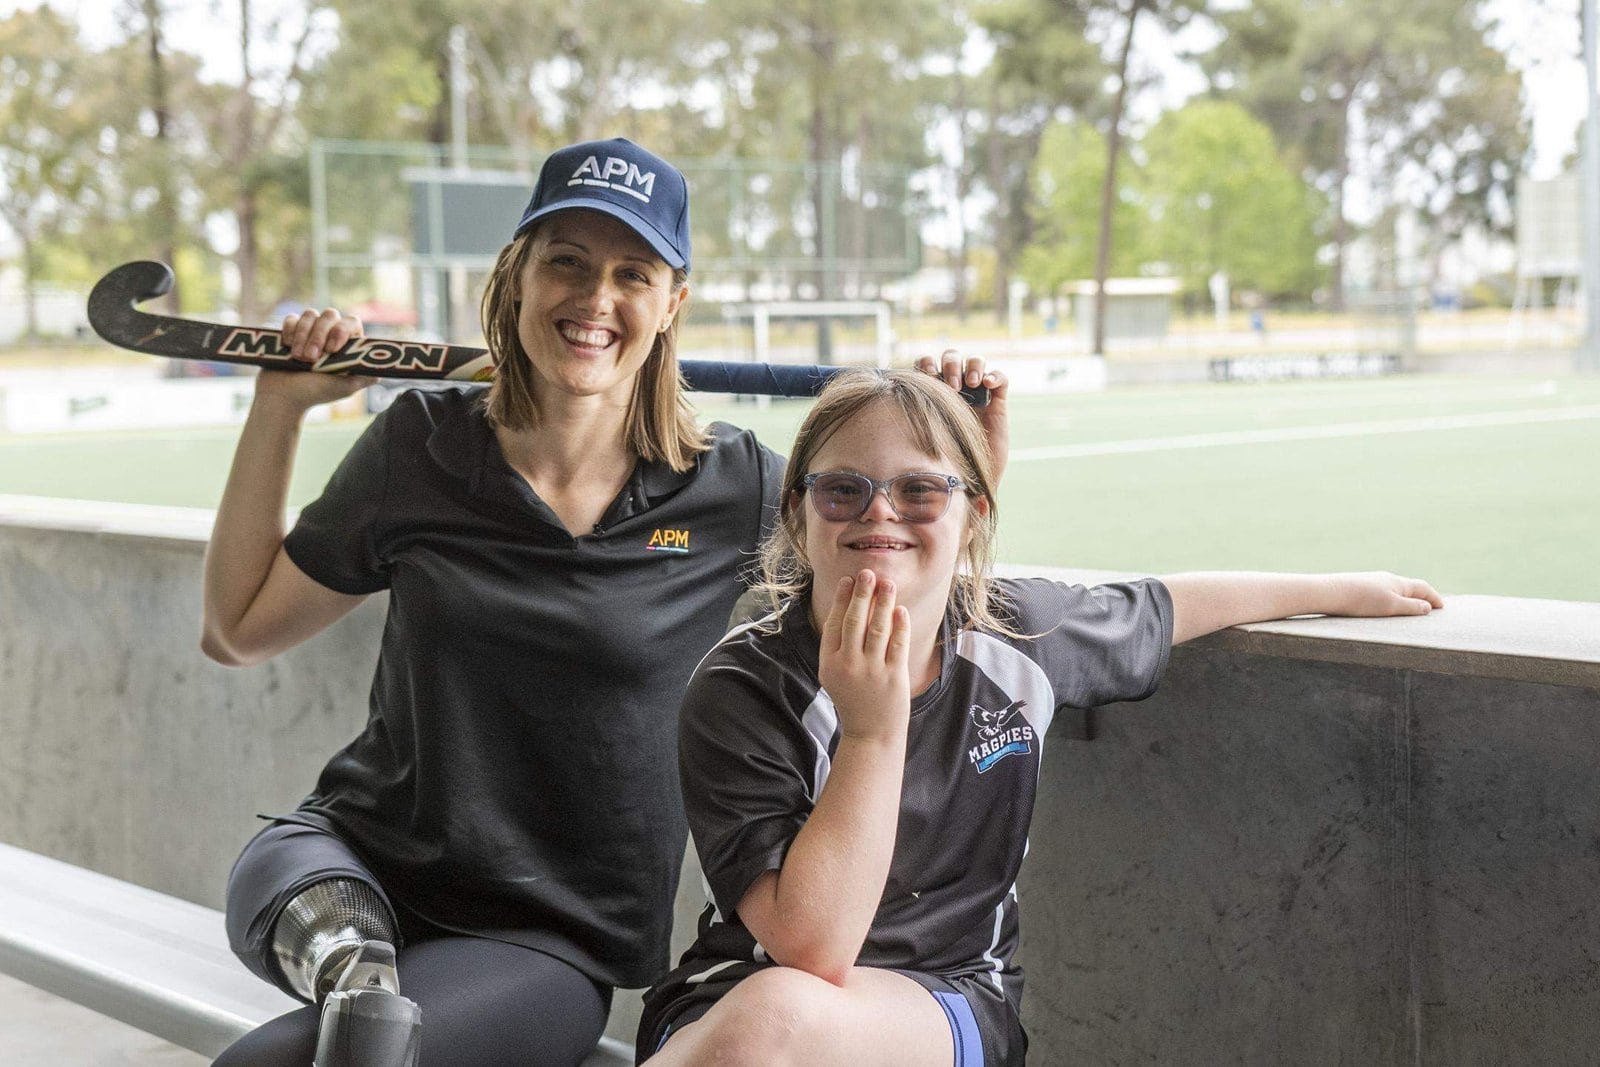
<point>1323,841</point>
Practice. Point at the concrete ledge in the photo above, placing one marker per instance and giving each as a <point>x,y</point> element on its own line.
<point>1553,642</point>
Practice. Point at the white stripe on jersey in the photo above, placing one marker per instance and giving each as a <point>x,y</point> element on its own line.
<point>821,722</point>
<point>988,954</point>
<point>1017,675</point>
<point>695,979</point>
<point>705,884</point>
<point>742,628</point>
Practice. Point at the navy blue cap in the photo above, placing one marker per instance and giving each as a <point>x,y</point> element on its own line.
<point>622,180</point>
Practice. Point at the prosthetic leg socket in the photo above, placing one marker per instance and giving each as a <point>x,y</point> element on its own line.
<point>365,1020</point>
<point>321,926</point>
<point>334,945</point>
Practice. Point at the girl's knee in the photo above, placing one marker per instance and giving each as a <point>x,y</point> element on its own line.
<point>770,1018</point>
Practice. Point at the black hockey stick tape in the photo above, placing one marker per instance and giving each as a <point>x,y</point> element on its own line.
<point>115,316</point>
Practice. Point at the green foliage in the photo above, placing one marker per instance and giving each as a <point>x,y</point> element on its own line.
<point>1220,197</point>
<point>1067,178</point>
<point>47,127</point>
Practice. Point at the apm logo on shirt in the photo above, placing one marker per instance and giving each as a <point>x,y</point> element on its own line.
<point>635,182</point>
<point>666,540</point>
<point>999,739</point>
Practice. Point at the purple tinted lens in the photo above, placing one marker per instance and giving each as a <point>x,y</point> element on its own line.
<point>920,498</point>
<point>841,496</point>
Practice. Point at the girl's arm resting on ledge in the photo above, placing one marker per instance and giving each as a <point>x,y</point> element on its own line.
<point>1205,602</point>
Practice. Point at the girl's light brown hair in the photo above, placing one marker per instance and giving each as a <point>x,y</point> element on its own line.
<point>941,425</point>
<point>661,427</point>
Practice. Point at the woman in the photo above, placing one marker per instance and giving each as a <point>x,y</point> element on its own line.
<point>557,558</point>
<point>859,768</point>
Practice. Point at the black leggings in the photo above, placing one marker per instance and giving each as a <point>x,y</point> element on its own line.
<point>484,1002</point>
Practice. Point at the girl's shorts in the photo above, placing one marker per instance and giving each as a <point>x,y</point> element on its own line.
<point>984,1025</point>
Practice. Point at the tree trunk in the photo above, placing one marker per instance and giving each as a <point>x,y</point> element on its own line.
<point>30,297</point>
<point>822,156</point>
<point>247,210</point>
<point>167,208</point>
<point>963,189</point>
<point>245,207</point>
<point>1108,190</point>
<point>1341,228</point>
<point>997,182</point>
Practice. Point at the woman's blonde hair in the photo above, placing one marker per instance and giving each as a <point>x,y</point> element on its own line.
<point>941,424</point>
<point>661,426</point>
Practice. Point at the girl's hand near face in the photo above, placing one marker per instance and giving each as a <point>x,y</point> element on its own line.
<point>864,659</point>
<point>957,372</point>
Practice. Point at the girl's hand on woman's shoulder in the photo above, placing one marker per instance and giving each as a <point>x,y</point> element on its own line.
<point>863,662</point>
<point>956,372</point>
<point>1378,593</point>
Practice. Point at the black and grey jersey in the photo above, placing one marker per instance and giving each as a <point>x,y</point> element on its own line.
<point>758,733</point>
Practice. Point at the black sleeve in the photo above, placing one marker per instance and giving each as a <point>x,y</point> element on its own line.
<point>335,540</point>
<point>1097,645</point>
<point>745,778</point>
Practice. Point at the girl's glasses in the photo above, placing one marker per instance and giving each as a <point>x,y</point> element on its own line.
<point>844,496</point>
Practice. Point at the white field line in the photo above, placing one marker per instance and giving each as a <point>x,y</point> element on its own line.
<point>1307,433</point>
<point>1102,404</point>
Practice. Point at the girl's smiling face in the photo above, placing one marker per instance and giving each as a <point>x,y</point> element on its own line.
<point>920,558</point>
<point>594,296</point>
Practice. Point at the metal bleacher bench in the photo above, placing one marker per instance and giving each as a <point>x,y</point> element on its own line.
<point>147,959</point>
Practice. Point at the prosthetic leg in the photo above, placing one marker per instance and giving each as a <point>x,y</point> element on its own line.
<point>334,944</point>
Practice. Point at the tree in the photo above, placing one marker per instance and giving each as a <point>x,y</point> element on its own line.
<point>1220,197</point>
<point>1414,86</point>
<point>47,134</point>
<point>1045,69</point>
<point>1067,180</point>
<point>843,85</point>
<point>1110,26</point>
<point>247,133</point>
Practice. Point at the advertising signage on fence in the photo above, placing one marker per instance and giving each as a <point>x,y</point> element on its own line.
<point>1309,365</point>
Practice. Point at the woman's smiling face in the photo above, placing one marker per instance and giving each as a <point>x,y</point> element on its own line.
<point>920,558</point>
<point>594,296</point>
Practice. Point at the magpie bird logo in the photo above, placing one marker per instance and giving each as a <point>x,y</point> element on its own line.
<point>990,723</point>
<point>1001,737</point>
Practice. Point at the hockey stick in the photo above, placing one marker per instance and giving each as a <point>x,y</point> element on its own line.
<point>114,314</point>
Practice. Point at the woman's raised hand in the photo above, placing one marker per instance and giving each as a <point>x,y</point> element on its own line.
<point>310,335</point>
<point>864,658</point>
<point>956,372</point>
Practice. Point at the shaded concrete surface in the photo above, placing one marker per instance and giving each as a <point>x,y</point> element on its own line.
<point>39,1030</point>
<point>1323,841</point>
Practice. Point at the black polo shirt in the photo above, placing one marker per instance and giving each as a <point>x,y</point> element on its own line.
<point>758,734</point>
<point>516,777</point>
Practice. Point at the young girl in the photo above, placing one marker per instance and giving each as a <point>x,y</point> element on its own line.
<point>859,768</point>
